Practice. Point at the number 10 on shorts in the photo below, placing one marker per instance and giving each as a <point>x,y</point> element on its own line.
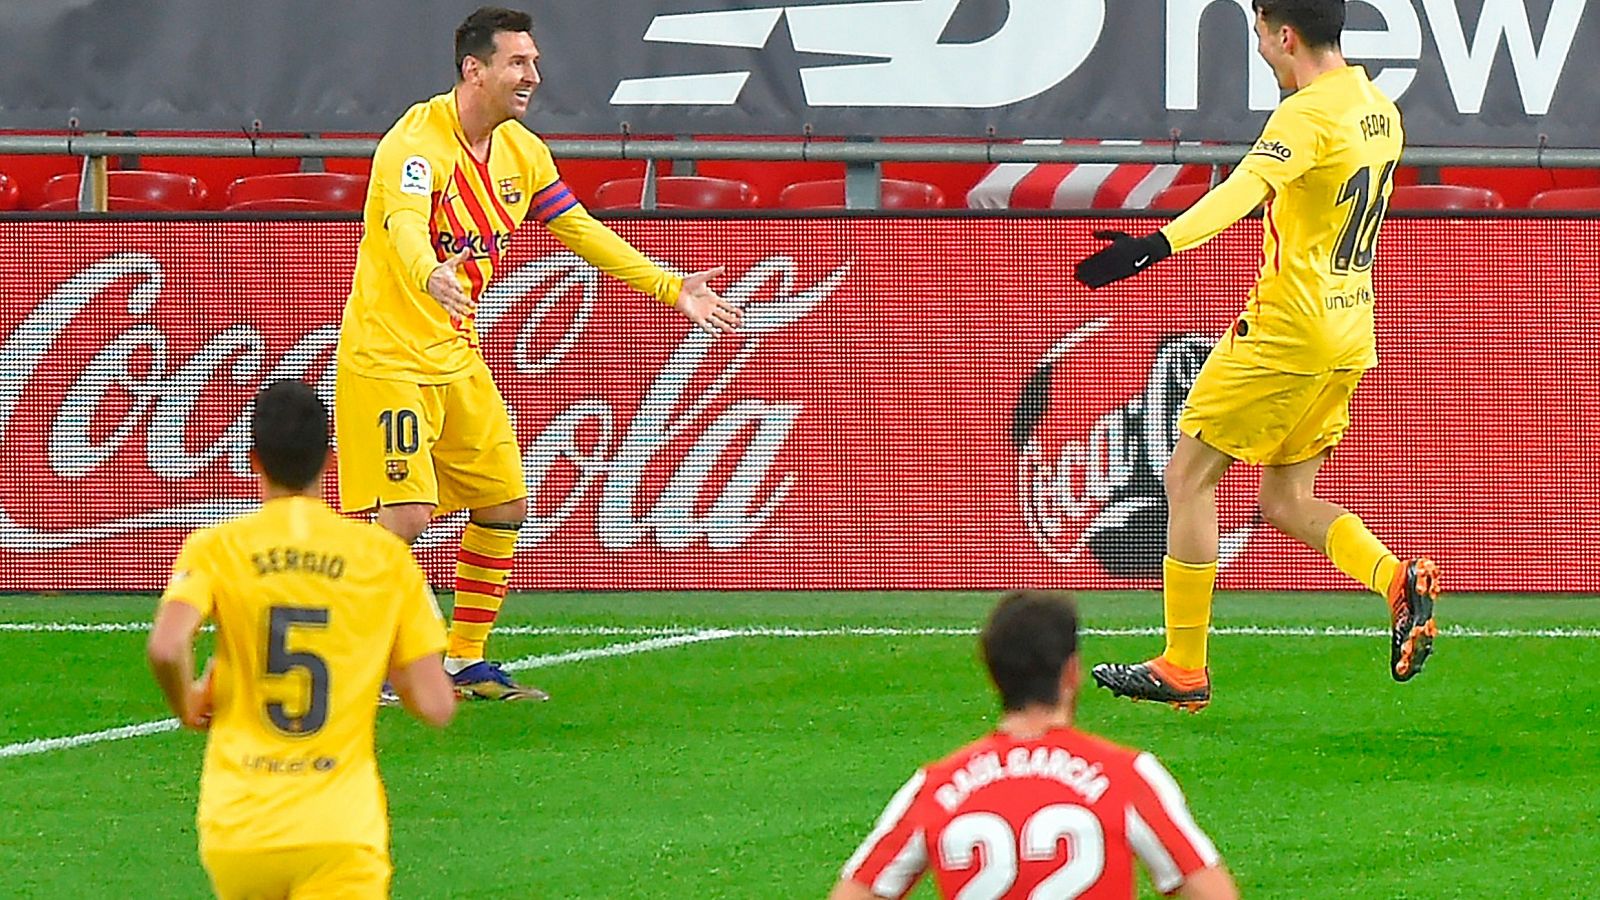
<point>402,432</point>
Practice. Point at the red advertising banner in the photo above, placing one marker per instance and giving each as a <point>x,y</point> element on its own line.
<point>911,404</point>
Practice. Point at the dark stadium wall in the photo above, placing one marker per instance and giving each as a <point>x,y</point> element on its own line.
<point>1497,72</point>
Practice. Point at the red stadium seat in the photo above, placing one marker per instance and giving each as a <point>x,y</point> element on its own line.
<point>217,172</point>
<point>1567,198</point>
<point>10,193</point>
<point>132,190</point>
<point>298,191</point>
<point>896,194</point>
<point>1517,186</point>
<point>1179,197</point>
<point>677,192</point>
<point>1444,196</point>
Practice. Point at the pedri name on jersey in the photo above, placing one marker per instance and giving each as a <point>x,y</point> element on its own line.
<point>284,560</point>
<point>451,243</point>
<point>1041,762</point>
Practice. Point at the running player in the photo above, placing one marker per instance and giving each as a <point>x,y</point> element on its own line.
<point>1275,391</point>
<point>312,611</point>
<point>1037,808</point>
<point>422,428</point>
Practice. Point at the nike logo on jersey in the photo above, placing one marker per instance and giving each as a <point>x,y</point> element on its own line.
<point>1139,263</point>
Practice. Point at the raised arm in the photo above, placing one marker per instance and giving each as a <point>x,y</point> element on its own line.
<point>607,251</point>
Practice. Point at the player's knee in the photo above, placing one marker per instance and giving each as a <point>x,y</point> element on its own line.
<point>1182,483</point>
<point>407,521</point>
<point>1280,508</point>
<point>508,516</point>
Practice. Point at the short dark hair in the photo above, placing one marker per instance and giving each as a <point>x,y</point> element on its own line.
<point>1029,637</point>
<point>289,434</point>
<point>475,36</point>
<point>1318,22</point>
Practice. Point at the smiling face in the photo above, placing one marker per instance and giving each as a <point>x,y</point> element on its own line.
<point>1276,44</point>
<point>509,77</point>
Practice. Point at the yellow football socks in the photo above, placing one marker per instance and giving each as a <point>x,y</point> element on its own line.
<point>482,567</point>
<point>1186,592</point>
<point>1357,553</point>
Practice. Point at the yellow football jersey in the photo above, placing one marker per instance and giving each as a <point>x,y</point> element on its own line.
<point>1329,153</point>
<point>430,198</point>
<point>312,610</point>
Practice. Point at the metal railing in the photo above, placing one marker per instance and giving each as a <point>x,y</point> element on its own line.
<point>862,158</point>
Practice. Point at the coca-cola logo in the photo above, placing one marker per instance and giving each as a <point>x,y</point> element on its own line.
<point>1093,428</point>
<point>696,460</point>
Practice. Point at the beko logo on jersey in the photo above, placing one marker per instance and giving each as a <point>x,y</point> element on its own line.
<point>1040,43</point>
<point>1274,149</point>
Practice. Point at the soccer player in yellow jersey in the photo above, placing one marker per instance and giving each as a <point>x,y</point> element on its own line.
<point>313,611</point>
<point>422,429</point>
<point>1275,392</point>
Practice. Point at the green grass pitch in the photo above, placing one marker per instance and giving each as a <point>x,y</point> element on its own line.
<point>750,766</point>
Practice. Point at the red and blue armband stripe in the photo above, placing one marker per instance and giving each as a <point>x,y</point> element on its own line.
<point>552,201</point>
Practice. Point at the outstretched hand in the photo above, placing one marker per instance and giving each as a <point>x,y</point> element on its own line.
<point>445,287</point>
<point>704,307</point>
<point>1125,257</point>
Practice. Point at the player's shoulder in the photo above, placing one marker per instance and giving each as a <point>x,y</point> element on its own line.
<point>521,139</point>
<point>204,540</point>
<point>426,122</point>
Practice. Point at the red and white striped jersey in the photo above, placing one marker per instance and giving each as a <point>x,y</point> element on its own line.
<point>1058,816</point>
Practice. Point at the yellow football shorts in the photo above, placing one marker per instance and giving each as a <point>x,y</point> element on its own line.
<point>314,872</point>
<point>1266,417</point>
<point>449,445</point>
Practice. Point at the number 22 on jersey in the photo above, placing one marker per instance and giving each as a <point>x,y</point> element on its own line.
<point>1003,850</point>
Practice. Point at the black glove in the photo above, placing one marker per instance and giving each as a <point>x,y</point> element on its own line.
<point>1125,257</point>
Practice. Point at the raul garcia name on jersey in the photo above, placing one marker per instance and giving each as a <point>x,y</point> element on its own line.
<point>1041,762</point>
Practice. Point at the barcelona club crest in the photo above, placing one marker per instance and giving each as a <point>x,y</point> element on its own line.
<point>511,189</point>
<point>397,469</point>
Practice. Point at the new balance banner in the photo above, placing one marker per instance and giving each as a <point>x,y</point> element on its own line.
<point>1463,71</point>
<point>911,403</point>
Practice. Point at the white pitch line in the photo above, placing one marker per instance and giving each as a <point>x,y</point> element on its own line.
<point>1456,631</point>
<point>646,646</point>
<point>46,745</point>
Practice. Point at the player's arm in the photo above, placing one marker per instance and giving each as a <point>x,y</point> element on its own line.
<point>407,179</point>
<point>170,649</point>
<point>425,690</point>
<point>850,890</point>
<point>1209,884</point>
<point>892,858</point>
<point>1179,857</point>
<point>558,210</point>
<point>1287,148</point>
<point>416,660</point>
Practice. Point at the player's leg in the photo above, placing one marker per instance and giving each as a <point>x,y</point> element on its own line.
<point>480,469</point>
<point>1188,573</point>
<point>342,872</point>
<point>1231,412</point>
<point>1290,504</point>
<point>249,874</point>
<point>385,432</point>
